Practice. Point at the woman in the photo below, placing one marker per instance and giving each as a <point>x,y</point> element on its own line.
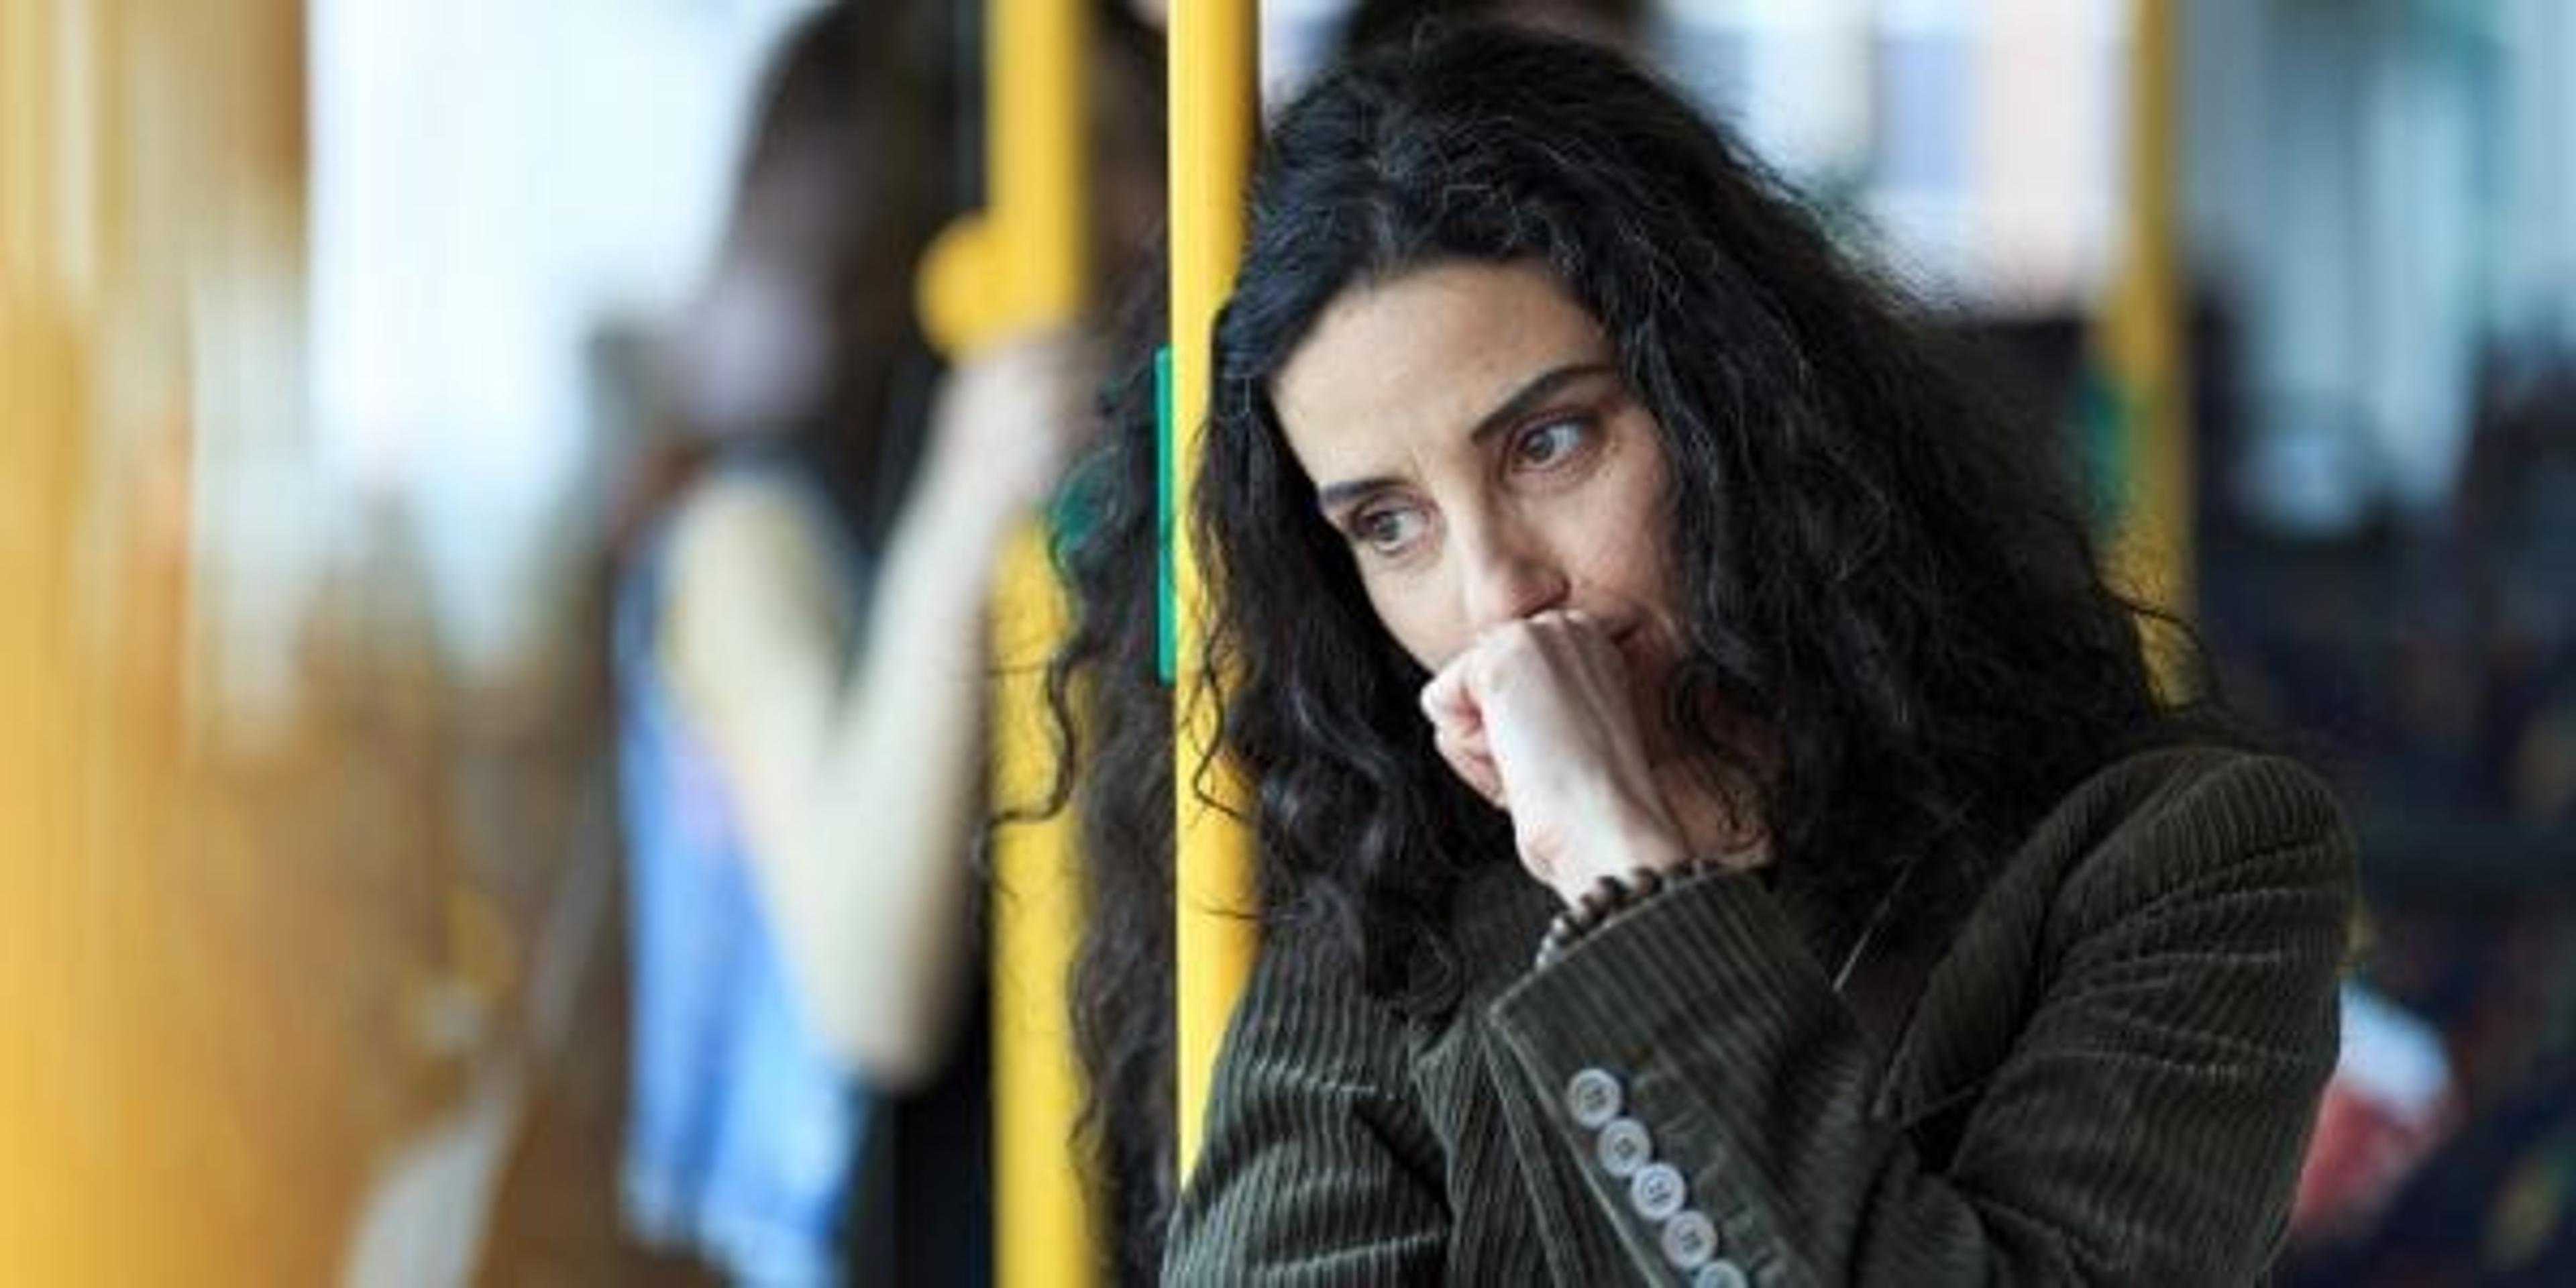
<point>801,657</point>
<point>797,631</point>
<point>1714,820</point>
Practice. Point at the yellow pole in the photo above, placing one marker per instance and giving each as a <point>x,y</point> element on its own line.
<point>2140,343</point>
<point>1043,1235</point>
<point>1016,267</point>
<point>1214,104</point>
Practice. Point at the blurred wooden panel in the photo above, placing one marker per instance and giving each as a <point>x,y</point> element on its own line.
<point>200,1051</point>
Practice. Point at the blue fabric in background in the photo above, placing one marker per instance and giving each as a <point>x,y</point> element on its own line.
<point>743,1137</point>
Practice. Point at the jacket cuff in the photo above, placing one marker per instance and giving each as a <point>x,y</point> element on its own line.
<point>1681,1007</point>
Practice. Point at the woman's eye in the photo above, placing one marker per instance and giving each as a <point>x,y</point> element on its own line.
<point>1549,443</point>
<point>1387,531</point>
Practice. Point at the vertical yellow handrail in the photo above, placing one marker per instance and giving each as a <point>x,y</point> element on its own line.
<point>2139,341</point>
<point>1019,266</point>
<point>1214,104</point>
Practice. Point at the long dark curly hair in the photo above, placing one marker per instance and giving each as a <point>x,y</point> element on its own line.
<point>1877,562</point>
<point>1113,716</point>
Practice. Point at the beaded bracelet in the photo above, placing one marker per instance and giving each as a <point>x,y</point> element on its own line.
<point>1612,895</point>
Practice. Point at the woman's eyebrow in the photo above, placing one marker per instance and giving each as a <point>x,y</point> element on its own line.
<point>1333,496</point>
<point>1527,398</point>
<point>1508,412</point>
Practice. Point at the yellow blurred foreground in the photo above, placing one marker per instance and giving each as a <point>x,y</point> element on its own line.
<point>253,940</point>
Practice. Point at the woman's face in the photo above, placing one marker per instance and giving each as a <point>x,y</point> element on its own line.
<point>1470,436</point>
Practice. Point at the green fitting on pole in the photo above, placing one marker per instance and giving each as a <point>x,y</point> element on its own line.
<point>1166,609</point>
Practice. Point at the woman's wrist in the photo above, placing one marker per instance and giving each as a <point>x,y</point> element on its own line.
<point>1641,846</point>
<point>1610,897</point>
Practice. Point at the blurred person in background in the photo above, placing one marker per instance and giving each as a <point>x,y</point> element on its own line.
<point>800,657</point>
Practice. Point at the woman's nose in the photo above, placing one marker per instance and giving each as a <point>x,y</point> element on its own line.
<point>1510,576</point>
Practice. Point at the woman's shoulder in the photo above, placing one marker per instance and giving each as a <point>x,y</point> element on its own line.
<point>2163,819</point>
<point>756,528</point>
<point>2229,790</point>
<point>750,514</point>
<point>751,573</point>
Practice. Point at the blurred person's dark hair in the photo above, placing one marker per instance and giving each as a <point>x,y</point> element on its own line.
<point>852,171</point>
<point>1620,24</point>
<point>804,340</point>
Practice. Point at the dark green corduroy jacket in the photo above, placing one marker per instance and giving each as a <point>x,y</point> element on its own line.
<point>2107,1077</point>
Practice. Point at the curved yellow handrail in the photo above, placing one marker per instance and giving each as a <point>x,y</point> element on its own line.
<point>1020,266</point>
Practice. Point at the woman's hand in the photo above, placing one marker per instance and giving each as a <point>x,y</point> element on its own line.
<point>1006,421</point>
<point>1537,716</point>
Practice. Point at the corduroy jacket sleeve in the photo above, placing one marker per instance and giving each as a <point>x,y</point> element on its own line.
<point>1317,1166</point>
<point>2175,1003</point>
